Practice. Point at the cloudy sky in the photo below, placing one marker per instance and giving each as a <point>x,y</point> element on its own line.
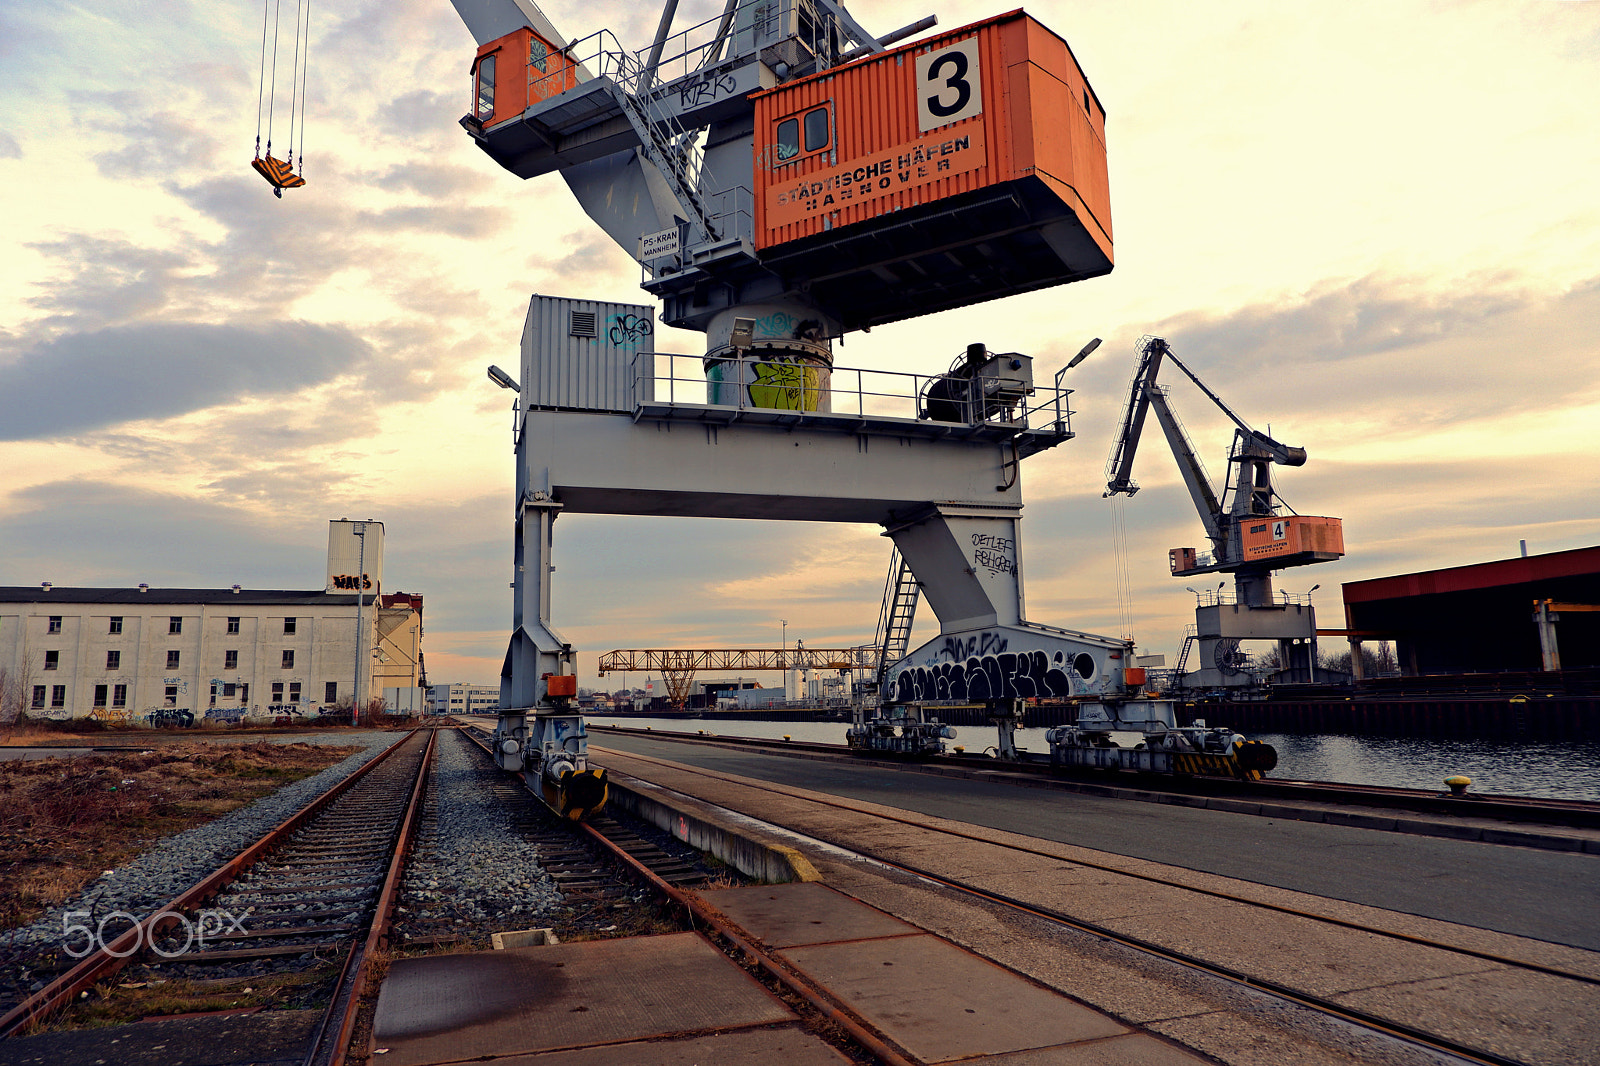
<point>1371,226</point>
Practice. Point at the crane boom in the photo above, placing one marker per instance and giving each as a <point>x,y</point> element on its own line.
<point>1252,494</point>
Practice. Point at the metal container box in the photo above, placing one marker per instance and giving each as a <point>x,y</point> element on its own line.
<point>964,167</point>
<point>585,355</point>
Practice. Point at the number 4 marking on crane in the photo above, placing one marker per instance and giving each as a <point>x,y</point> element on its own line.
<point>949,85</point>
<point>1280,530</point>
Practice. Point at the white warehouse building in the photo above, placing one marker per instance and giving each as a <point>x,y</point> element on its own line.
<point>182,656</point>
<point>462,698</point>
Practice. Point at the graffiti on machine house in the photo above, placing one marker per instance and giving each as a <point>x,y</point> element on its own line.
<point>786,386</point>
<point>997,555</point>
<point>627,330</point>
<point>1006,675</point>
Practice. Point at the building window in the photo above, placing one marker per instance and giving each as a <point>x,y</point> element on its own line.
<point>116,625</point>
<point>113,660</point>
<point>119,695</point>
<point>172,695</point>
<point>52,660</point>
<point>233,625</point>
<point>55,624</point>
<point>174,624</point>
<point>213,693</point>
<point>38,697</point>
<point>294,692</point>
<point>244,693</point>
<point>277,692</point>
<point>288,626</point>
<point>330,692</point>
<point>230,660</point>
<point>172,660</point>
<point>288,658</point>
<point>229,691</point>
<point>99,695</point>
<point>58,695</point>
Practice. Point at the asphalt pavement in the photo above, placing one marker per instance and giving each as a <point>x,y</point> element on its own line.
<point>1548,895</point>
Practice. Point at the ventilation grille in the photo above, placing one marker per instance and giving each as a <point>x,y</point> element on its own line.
<point>583,324</point>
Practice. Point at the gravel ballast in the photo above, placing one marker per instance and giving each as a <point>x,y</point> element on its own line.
<point>471,867</point>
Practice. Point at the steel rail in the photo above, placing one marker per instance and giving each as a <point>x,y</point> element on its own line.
<point>352,987</point>
<point>1388,1027</point>
<point>700,910</point>
<point>1385,1026</point>
<point>114,956</point>
<point>707,914</point>
<point>1120,871</point>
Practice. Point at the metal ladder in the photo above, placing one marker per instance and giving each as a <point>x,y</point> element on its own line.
<point>674,152</point>
<point>1191,636</point>
<point>899,611</point>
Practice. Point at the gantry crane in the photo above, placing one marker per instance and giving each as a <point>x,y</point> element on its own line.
<point>1250,532</point>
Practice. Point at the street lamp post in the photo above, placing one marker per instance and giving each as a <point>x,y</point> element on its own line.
<point>783,656</point>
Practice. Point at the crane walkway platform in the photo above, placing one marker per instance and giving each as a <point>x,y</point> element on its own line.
<point>675,999</point>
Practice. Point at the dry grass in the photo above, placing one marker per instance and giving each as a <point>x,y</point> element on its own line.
<point>65,820</point>
<point>119,1000</point>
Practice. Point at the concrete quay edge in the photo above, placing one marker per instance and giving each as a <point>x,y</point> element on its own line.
<point>1371,818</point>
<point>699,825</point>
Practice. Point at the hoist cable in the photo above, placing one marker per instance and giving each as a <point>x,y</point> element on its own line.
<point>305,67</point>
<point>261,82</point>
<point>1119,538</point>
<point>272,96</point>
<point>294,81</point>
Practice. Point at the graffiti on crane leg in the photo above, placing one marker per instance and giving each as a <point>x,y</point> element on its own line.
<point>960,649</point>
<point>1007,675</point>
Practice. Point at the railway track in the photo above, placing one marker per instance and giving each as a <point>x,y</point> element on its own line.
<point>312,899</point>
<point>1573,981</point>
<point>597,859</point>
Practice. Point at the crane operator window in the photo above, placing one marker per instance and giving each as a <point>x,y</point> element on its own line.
<point>485,88</point>
<point>802,135</point>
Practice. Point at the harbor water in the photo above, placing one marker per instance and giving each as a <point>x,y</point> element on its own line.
<point>1551,770</point>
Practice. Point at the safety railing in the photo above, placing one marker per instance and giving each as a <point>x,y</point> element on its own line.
<point>752,26</point>
<point>1230,598</point>
<point>789,383</point>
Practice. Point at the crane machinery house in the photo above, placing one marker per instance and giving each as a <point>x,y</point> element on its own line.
<point>967,166</point>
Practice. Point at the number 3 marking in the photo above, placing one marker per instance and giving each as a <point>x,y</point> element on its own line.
<point>949,85</point>
<point>957,81</point>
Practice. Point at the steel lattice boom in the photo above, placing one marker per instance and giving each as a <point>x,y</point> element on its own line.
<point>863,658</point>
<point>678,665</point>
